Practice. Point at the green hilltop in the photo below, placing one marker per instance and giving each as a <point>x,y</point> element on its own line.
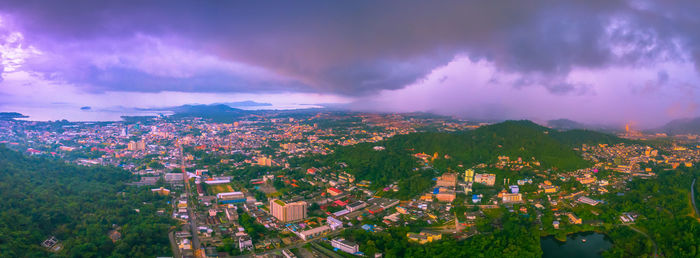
<point>525,139</point>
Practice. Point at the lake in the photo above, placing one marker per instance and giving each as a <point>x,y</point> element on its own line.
<point>594,246</point>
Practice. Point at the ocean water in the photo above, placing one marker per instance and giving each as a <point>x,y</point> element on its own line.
<point>72,113</point>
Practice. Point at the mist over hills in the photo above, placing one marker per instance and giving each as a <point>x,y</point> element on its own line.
<point>567,124</point>
<point>681,126</point>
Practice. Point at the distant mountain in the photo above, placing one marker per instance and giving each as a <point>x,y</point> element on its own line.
<point>247,103</point>
<point>11,115</point>
<point>216,112</point>
<point>565,124</point>
<point>681,126</point>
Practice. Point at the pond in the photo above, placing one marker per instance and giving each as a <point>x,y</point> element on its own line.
<point>574,247</point>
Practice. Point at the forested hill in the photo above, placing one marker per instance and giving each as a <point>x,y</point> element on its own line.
<point>525,139</point>
<point>40,198</point>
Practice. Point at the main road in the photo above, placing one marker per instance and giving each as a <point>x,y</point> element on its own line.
<point>190,211</point>
<point>692,198</point>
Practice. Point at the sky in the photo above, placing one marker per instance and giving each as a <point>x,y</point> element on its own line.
<point>602,62</point>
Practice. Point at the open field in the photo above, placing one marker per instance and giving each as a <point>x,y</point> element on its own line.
<point>222,188</point>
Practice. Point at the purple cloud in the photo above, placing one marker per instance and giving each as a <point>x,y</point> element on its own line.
<point>357,49</point>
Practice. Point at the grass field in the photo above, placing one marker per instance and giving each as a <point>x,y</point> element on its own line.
<point>222,188</point>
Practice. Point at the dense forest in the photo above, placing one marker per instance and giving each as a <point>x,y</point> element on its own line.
<point>666,215</point>
<point>40,198</point>
<point>518,237</point>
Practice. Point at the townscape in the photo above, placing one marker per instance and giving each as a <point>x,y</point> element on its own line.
<point>330,129</point>
<point>272,184</point>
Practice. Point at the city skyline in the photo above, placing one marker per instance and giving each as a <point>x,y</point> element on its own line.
<point>607,62</point>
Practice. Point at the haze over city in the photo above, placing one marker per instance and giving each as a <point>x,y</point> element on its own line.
<point>601,62</point>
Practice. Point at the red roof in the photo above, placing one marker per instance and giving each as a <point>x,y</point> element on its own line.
<point>332,189</point>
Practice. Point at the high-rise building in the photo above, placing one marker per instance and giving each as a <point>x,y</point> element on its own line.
<point>447,180</point>
<point>469,175</point>
<point>286,212</point>
<point>264,161</point>
<point>134,146</point>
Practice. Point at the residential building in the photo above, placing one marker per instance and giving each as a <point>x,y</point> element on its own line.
<point>136,146</point>
<point>334,223</point>
<point>287,212</point>
<point>334,191</point>
<point>486,179</point>
<point>447,180</point>
<point>161,191</point>
<point>573,219</point>
<point>356,206</point>
<point>424,236</point>
<point>244,243</point>
<point>469,175</point>
<point>589,201</point>
<point>445,195</point>
<point>511,197</point>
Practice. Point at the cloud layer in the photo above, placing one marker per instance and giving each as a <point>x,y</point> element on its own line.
<point>356,49</point>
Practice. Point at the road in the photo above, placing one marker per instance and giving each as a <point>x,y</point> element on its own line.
<point>692,198</point>
<point>300,244</point>
<point>173,244</point>
<point>190,211</point>
<point>656,248</point>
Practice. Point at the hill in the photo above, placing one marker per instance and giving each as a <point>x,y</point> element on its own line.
<point>79,206</point>
<point>215,112</point>
<point>523,139</point>
<point>247,103</point>
<point>514,139</point>
<point>565,124</point>
<point>681,126</point>
<point>577,137</point>
<point>11,115</point>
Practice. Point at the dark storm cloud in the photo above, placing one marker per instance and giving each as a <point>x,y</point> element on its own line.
<point>356,47</point>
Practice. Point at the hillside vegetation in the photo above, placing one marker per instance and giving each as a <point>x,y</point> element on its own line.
<point>524,139</point>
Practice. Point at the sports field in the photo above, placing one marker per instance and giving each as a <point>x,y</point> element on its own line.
<point>222,188</point>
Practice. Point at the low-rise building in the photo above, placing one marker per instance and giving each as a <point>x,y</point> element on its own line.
<point>161,191</point>
<point>445,195</point>
<point>334,191</point>
<point>589,201</point>
<point>424,236</point>
<point>486,179</point>
<point>573,219</point>
<point>511,197</point>
<point>355,206</point>
<point>314,232</point>
<point>345,245</point>
<point>230,197</point>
